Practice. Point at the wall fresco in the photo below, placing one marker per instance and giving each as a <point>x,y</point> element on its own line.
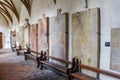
<point>58,36</point>
<point>115,49</point>
<point>43,27</point>
<point>85,38</point>
<point>33,37</point>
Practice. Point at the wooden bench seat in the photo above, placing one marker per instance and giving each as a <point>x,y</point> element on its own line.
<point>82,76</point>
<point>33,55</point>
<point>61,66</point>
<point>55,66</point>
<point>21,52</point>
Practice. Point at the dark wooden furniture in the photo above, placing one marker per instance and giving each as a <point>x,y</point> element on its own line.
<point>14,47</point>
<point>59,65</point>
<point>82,76</point>
<point>30,54</point>
<point>20,50</point>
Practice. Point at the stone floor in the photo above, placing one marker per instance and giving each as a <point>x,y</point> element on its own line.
<point>13,67</point>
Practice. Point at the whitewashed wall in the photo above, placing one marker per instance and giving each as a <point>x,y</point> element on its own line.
<point>6,32</point>
<point>110,18</point>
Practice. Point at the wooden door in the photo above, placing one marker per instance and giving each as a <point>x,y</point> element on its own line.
<point>1,42</point>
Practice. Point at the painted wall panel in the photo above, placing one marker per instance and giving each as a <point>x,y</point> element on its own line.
<point>115,49</point>
<point>33,37</point>
<point>85,43</point>
<point>58,36</point>
<point>43,34</point>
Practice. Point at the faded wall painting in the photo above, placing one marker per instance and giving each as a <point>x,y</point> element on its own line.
<point>59,36</point>
<point>21,36</point>
<point>85,38</point>
<point>43,34</point>
<point>33,37</point>
<point>13,38</point>
<point>26,35</point>
<point>115,49</point>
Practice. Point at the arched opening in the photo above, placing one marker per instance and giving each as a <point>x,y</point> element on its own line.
<point>1,40</point>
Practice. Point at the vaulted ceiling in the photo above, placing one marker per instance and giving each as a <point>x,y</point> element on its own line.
<point>8,8</point>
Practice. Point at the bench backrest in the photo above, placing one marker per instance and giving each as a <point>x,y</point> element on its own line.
<point>35,52</point>
<point>58,59</point>
<point>72,65</point>
<point>100,71</point>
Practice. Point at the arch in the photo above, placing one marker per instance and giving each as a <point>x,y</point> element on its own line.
<point>27,5</point>
<point>11,6</point>
<point>5,18</point>
<point>4,5</point>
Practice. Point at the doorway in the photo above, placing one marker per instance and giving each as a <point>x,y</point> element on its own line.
<point>1,41</point>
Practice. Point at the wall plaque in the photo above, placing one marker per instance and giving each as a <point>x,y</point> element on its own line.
<point>86,38</point>
<point>33,37</point>
<point>43,34</point>
<point>59,36</point>
<point>115,49</point>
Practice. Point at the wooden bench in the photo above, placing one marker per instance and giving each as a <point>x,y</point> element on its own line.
<point>20,50</point>
<point>33,55</point>
<point>83,76</point>
<point>60,66</point>
<point>14,49</point>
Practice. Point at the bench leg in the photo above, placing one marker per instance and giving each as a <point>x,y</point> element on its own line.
<point>41,67</point>
<point>70,78</point>
<point>18,53</point>
<point>38,63</point>
<point>13,50</point>
<point>68,74</point>
<point>25,57</point>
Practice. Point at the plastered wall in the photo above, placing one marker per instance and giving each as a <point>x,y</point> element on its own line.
<point>5,31</point>
<point>109,14</point>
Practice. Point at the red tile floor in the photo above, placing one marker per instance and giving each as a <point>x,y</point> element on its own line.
<point>13,67</point>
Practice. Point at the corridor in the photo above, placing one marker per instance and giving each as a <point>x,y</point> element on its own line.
<point>13,67</point>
